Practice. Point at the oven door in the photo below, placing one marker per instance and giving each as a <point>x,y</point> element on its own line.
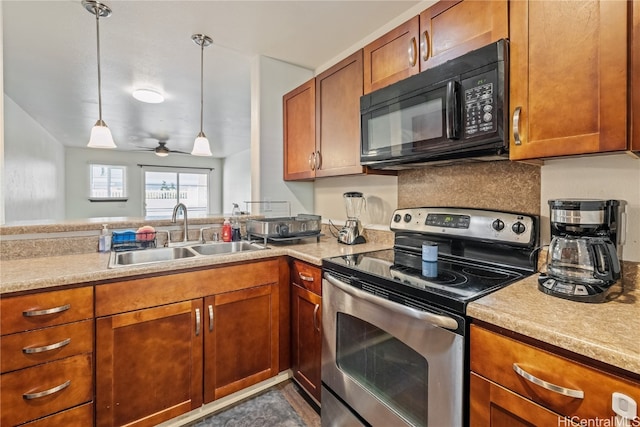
<point>392,364</point>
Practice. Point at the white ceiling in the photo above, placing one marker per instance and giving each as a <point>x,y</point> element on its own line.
<point>50,67</point>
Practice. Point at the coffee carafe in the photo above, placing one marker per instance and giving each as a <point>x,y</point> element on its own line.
<point>354,202</point>
<point>582,262</point>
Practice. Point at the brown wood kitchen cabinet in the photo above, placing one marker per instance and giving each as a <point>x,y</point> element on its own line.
<point>501,396</point>
<point>47,358</point>
<point>392,57</point>
<point>306,326</point>
<point>299,116</point>
<point>440,33</point>
<point>322,123</point>
<point>451,28</point>
<point>634,51</point>
<point>241,339</point>
<point>166,344</point>
<point>568,78</point>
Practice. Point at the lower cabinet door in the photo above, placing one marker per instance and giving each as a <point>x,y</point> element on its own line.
<point>495,406</point>
<point>241,339</point>
<point>149,364</point>
<point>306,340</point>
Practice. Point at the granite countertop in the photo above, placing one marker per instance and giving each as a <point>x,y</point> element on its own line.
<point>47,272</point>
<point>608,332</point>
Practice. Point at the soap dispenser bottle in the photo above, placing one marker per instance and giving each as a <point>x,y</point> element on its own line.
<point>235,224</point>
<point>226,230</point>
<point>104,244</point>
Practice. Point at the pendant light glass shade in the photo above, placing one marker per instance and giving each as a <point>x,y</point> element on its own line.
<point>201,145</point>
<point>100,134</point>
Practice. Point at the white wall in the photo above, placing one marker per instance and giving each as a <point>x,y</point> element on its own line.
<point>2,189</point>
<point>77,178</point>
<point>236,180</point>
<point>615,176</point>
<point>33,169</point>
<point>381,194</point>
<point>270,80</point>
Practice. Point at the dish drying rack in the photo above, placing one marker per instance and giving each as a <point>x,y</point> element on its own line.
<point>131,240</point>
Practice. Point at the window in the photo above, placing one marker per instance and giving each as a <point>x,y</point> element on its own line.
<point>107,182</point>
<point>163,189</point>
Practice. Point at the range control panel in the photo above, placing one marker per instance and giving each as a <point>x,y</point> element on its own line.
<point>505,227</point>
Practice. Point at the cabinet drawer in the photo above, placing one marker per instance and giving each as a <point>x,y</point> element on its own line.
<point>307,276</point>
<point>496,357</point>
<point>78,416</point>
<point>45,345</point>
<point>45,309</point>
<point>34,392</point>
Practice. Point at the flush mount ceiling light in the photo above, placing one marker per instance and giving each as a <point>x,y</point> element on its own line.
<point>100,134</point>
<point>201,144</point>
<point>149,96</point>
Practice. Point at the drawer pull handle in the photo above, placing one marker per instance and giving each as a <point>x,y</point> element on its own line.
<point>578,394</point>
<point>31,396</point>
<point>316,325</point>
<point>197,321</point>
<point>210,318</point>
<point>516,126</point>
<point>413,52</point>
<point>305,277</point>
<point>32,350</point>
<point>54,310</point>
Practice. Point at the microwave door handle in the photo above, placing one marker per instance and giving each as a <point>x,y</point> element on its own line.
<point>452,110</point>
<point>435,319</point>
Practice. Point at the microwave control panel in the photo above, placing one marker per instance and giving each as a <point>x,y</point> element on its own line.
<point>480,115</point>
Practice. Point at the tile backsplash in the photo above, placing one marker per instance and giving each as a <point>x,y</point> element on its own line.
<point>501,185</point>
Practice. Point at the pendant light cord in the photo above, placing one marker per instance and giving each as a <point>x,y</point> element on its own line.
<point>201,83</point>
<point>97,13</point>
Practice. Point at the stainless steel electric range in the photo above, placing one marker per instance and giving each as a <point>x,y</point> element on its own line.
<point>394,321</point>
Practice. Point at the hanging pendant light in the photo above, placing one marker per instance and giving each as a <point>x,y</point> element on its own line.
<point>201,144</point>
<point>100,134</point>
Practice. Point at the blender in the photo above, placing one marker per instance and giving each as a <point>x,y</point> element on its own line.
<point>354,201</point>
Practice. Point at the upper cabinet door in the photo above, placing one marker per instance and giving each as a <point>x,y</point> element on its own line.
<point>568,78</point>
<point>635,77</point>
<point>392,57</point>
<point>299,116</point>
<point>338,92</point>
<point>449,29</point>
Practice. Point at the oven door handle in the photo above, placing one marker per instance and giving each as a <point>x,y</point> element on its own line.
<point>435,319</point>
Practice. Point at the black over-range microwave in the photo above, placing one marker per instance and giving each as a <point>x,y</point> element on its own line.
<point>455,111</point>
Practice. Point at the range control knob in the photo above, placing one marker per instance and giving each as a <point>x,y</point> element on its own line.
<point>497,225</point>
<point>518,228</point>
<point>397,218</point>
<point>407,217</point>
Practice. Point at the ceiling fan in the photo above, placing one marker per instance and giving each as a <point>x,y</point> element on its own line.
<point>162,150</point>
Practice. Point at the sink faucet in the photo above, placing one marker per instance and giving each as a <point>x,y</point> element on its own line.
<point>184,223</point>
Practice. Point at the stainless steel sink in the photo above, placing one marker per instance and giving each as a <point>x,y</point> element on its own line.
<point>148,256</point>
<point>225,248</point>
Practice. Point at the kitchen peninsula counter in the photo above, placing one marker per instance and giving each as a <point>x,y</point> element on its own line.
<point>30,274</point>
<point>607,332</point>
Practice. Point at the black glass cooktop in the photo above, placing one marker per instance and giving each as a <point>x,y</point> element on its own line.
<point>449,282</point>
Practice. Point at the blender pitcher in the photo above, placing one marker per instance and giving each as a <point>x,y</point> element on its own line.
<point>354,202</point>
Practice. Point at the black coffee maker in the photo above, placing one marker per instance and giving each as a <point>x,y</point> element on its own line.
<point>582,262</point>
